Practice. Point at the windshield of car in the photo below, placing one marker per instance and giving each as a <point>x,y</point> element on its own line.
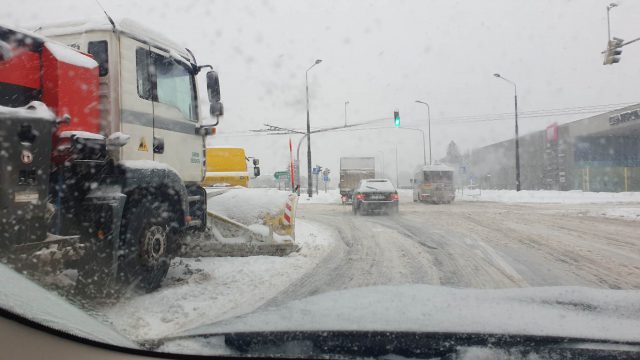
<point>322,178</point>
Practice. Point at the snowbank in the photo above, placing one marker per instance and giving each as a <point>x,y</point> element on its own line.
<point>548,196</point>
<point>624,213</point>
<point>200,291</point>
<point>248,206</point>
<point>329,197</point>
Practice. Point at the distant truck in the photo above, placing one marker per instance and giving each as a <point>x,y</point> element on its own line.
<point>352,170</point>
<point>227,166</point>
<point>434,184</point>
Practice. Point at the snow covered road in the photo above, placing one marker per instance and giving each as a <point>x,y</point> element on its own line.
<point>464,244</point>
<point>200,291</point>
<point>474,244</point>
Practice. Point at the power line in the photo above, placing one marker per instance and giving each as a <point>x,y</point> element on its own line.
<point>537,113</point>
<point>464,119</point>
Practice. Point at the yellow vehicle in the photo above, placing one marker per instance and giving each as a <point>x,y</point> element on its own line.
<point>227,166</point>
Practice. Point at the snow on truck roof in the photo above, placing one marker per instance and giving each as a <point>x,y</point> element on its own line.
<point>70,56</point>
<point>123,25</point>
<point>436,167</point>
<point>59,51</point>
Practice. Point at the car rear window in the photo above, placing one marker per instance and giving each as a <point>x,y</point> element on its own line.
<point>377,185</point>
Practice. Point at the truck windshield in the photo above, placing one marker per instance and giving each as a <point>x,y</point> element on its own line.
<point>438,176</point>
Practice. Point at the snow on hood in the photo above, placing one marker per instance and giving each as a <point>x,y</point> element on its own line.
<point>576,312</point>
<point>22,297</point>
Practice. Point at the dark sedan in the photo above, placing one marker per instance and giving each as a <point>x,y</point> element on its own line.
<point>375,195</point>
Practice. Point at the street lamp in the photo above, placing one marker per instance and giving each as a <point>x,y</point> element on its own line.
<point>515,91</point>
<point>429,118</point>
<point>609,7</point>
<point>345,112</point>
<point>310,180</point>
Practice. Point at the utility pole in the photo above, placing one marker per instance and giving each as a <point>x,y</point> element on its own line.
<point>345,112</point>
<point>609,7</point>
<point>309,180</point>
<point>429,124</point>
<point>515,97</point>
<point>397,181</point>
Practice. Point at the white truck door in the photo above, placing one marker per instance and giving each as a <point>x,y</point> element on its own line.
<point>136,99</point>
<point>175,116</point>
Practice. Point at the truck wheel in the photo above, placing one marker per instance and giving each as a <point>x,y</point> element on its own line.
<point>149,239</point>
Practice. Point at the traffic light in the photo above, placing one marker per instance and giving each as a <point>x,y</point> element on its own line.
<point>614,50</point>
<point>396,118</point>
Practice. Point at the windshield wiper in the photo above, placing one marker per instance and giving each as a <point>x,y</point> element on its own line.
<point>413,344</point>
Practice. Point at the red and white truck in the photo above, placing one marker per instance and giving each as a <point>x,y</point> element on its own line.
<point>102,148</point>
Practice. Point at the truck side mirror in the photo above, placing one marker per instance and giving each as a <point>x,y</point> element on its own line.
<point>256,171</point>
<point>213,91</point>
<point>256,162</point>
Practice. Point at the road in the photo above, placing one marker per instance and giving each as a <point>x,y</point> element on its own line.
<point>472,244</point>
<point>463,244</point>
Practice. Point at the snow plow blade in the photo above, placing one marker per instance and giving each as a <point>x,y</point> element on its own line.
<point>246,222</point>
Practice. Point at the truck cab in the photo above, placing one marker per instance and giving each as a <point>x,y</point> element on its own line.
<point>148,91</point>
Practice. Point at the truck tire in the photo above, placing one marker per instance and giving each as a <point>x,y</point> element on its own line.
<point>149,236</point>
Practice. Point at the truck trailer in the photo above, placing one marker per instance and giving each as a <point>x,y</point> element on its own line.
<point>352,170</point>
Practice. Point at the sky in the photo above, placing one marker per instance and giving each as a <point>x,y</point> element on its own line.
<point>381,56</point>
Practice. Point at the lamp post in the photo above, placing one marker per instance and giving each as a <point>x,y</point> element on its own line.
<point>309,180</point>
<point>345,112</point>
<point>609,7</point>
<point>515,97</point>
<point>429,119</point>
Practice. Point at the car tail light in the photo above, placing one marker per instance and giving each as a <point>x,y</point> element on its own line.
<point>395,197</point>
<point>360,197</point>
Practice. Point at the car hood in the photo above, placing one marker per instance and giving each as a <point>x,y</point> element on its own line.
<point>575,312</point>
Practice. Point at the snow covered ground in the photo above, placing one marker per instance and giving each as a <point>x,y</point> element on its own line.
<point>330,197</point>
<point>199,291</point>
<point>548,196</point>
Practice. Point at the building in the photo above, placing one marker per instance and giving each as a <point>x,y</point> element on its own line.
<point>599,153</point>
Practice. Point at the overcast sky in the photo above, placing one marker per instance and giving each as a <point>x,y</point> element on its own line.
<point>381,55</point>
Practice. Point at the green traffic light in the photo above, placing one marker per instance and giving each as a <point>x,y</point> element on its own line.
<point>396,118</point>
